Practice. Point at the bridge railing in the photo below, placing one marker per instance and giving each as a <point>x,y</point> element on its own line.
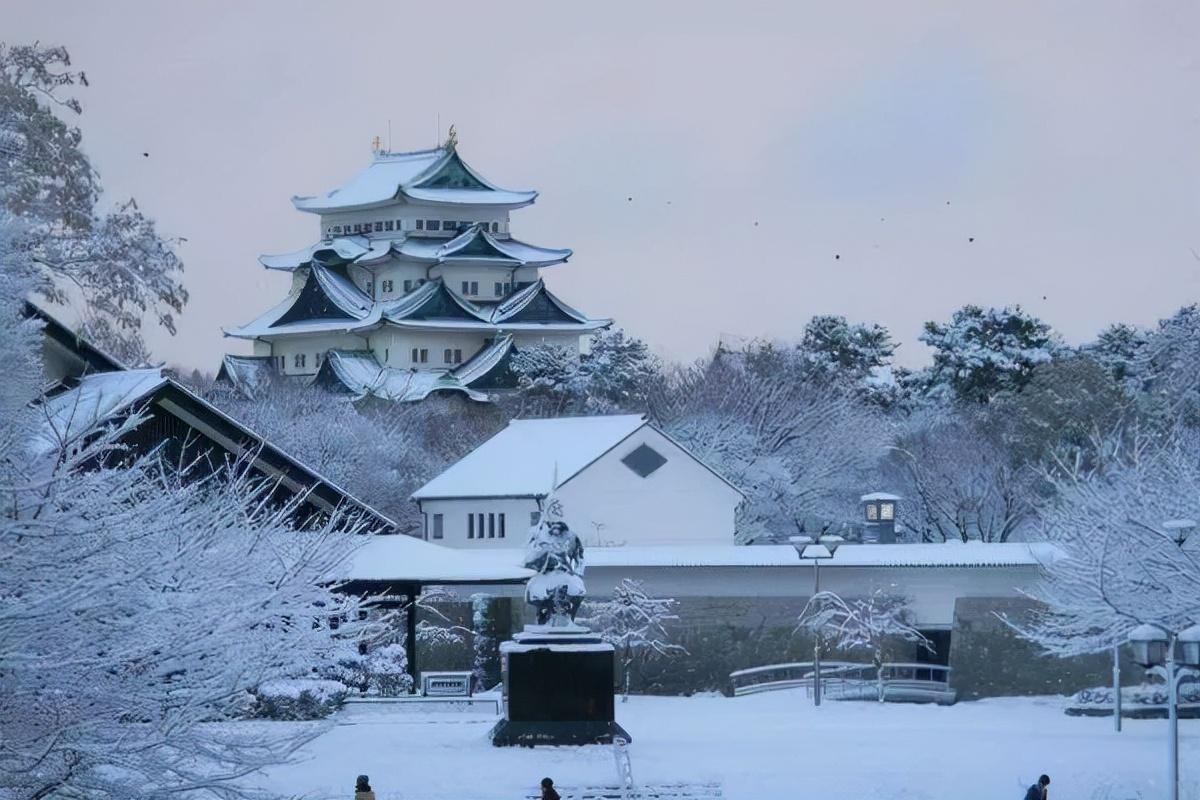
<point>903,681</point>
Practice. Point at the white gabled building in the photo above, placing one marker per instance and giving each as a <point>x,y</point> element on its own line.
<point>415,286</point>
<point>622,482</point>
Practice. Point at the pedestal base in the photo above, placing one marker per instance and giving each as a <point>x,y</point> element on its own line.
<point>507,733</point>
<point>558,688</point>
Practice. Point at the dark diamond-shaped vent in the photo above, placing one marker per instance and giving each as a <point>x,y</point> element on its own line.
<point>644,460</point>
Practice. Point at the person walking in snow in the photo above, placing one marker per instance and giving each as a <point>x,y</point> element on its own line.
<point>548,792</point>
<point>1039,791</point>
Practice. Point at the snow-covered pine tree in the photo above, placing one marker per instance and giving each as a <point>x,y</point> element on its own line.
<point>981,353</point>
<point>632,622</point>
<point>873,623</point>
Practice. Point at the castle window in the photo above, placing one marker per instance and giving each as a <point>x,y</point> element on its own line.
<point>466,287</point>
<point>424,356</point>
<point>474,287</point>
<point>457,356</point>
<point>388,286</point>
<point>644,460</point>
<point>378,227</point>
<point>420,224</point>
<point>499,289</point>
<point>357,228</point>
<point>298,360</point>
<point>495,227</point>
<point>432,225</point>
<point>387,226</point>
<point>449,225</point>
<point>386,354</point>
<point>507,288</point>
<point>370,286</point>
<point>408,286</point>
<point>337,228</point>
<point>446,355</point>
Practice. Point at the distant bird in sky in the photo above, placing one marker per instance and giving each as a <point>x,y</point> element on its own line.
<point>147,155</point>
<point>970,238</point>
<point>837,256</point>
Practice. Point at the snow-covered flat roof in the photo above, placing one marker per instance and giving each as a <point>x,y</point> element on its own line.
<point>523,459</point>
<point>398,557</point>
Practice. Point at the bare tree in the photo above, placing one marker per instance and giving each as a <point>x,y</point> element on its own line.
<point>801,446</point>
<point>1115,565</point>
<point>633,622</point>
<point>872,623</point>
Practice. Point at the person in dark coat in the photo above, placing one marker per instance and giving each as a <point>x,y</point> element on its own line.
<point>1038,791</point>
<point>548,792</point>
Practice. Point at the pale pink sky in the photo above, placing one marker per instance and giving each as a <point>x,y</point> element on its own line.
<point>758,142</point>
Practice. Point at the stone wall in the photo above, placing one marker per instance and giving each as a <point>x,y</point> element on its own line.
<point>990,659</point>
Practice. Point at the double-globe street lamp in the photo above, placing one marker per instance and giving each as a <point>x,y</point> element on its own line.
<point>1156,647</point>
<point>815,551</point>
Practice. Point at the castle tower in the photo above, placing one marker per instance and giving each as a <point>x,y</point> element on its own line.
<point>416,285</point>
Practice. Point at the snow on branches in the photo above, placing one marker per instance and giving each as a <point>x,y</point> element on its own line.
<point>873,623</point>
<point>1117,564</point>
<point>632,622</point>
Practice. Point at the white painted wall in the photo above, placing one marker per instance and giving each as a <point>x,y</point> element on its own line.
<point>393,346</point>
<point>609,504</point>
<point>314,346</point>
<point>455,524</point>
<point>403,217</point>
<point>485,277</point>
<point>682,502</point>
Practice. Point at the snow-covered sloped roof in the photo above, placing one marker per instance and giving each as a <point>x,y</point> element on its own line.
<point>347,248</point>
<point>347,309</point>
<point>523,459</point>
<point>250,375</point>
<point>432,177</point>
<point>361,375</point>
<point>403,558</point>
<point>74,414</point>
<point>485,360</point>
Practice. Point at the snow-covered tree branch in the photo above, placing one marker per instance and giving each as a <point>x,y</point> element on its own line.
<point>633,622</point>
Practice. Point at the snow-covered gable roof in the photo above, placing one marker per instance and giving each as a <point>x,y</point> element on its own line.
<point>347,248</point>
<point>104,397</point>
<point>250,375</point>
<point>436,177</point>
<point>535,303</point>
<point>326,302</point>
<point>74,414</point>
<point>523,459</point>
<point>482,363</point>
<point>358,373</point>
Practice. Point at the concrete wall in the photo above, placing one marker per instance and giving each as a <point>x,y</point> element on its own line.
<point>990,659</point>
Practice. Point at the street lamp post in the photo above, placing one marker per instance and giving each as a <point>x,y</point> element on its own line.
<point>1153,647</point>
<point>816,552</point>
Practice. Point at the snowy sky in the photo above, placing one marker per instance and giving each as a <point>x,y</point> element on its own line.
<point>758,144</point>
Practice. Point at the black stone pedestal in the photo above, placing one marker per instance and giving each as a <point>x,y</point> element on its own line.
<point>559,690</point>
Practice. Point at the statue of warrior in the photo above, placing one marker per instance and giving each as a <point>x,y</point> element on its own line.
<point>556,554</point>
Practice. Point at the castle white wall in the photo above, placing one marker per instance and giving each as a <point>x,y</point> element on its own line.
<point>314,347</point>
<point>403,217</point>
<point>393,346</point>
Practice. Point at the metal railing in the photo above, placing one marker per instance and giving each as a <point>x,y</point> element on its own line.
<point>848,680</point>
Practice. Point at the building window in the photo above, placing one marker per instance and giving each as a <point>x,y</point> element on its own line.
<point>357,228</point>
<point>534,517</point>
<point>495,227</point>
<point>499,289</point>
<point>407,287</point>
<point>501,525</point>
<point>447,354</point>
<point>432,225</point>
<point>337,228</point>
<point>507,288</point>
<point>420,224</point>
<point>386,354</point>
<point>388,285</point>
<point>470,526</point>
<point>298,360</point>
<point>438,526</point>
<point>457,356</point>
<point>474,288</point>
<point>872,512</point>
<point>491,526</point>
<point>887,511</point>
<point>387,226</point>
<point>378,227</point>
<point>644,460</point>
<point>466,287</point>
<point>424,356</point>
<point>449,225</point>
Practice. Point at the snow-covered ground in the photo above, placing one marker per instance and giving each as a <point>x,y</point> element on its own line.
<point>773,745</point>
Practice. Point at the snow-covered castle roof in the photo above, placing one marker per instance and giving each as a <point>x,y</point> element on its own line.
<point>430,177</point>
